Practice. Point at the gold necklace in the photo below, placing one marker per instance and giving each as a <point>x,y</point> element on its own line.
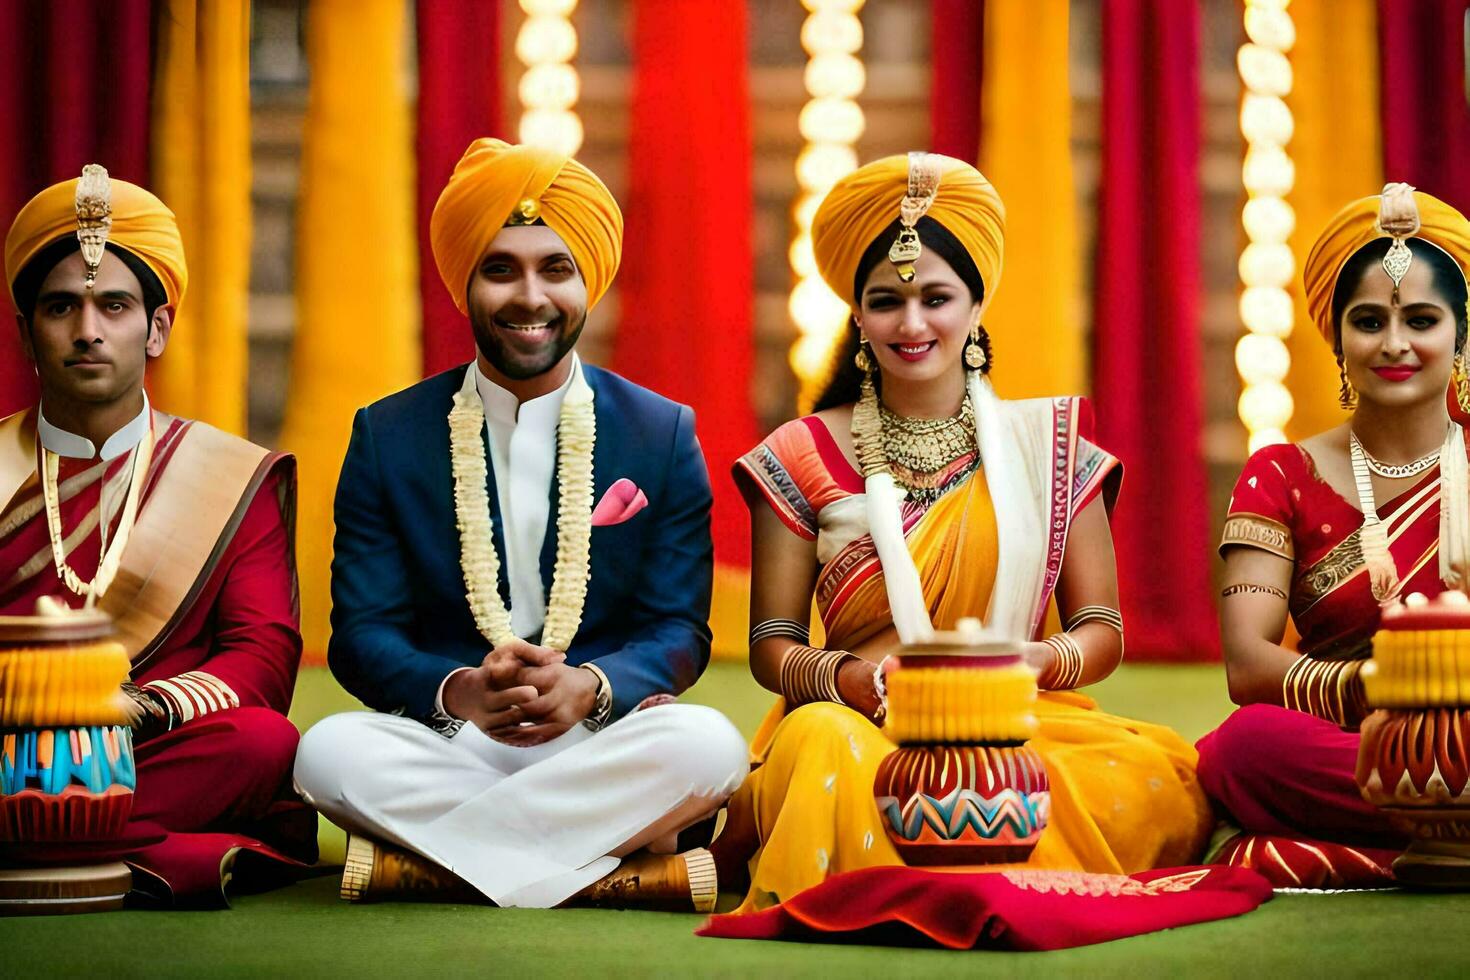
<point>920,451</point>
<point>111,557</point>
<point>1397,471</point>
<point>576,433</point>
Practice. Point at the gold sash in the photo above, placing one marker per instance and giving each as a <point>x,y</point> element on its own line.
<point>182,531</point>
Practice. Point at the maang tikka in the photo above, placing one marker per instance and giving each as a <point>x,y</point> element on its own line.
<point>923,185</point>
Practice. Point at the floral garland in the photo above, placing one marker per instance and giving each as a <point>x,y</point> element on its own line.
<point>576,437</point>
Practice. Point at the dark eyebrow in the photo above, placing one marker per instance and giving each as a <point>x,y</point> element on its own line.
<point>515,259</point>
<point>1380,308</point>
<point>116,294</point>
<point>57,296</point>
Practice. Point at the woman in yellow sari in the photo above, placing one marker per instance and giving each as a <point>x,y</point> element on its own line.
<point>912,498</point>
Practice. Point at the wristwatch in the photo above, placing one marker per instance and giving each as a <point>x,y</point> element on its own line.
<point>602,700</point>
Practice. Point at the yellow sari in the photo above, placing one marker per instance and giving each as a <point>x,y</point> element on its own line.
<point>1124,794</point>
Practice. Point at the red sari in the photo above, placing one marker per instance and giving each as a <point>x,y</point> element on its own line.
<point>1285,774</point>
<point>225,655</point>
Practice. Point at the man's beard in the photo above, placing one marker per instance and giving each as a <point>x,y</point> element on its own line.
<point>519,362</point>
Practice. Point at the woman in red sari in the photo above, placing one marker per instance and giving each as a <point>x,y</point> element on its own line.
<point>1329,529</point>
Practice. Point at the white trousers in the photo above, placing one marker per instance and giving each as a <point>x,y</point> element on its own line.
<point>528,827</point>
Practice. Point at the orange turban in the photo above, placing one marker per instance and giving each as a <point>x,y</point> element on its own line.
<point>141,224</point>
<point>494,180</point>
<point>866,202</point>
<point>1357,224</point>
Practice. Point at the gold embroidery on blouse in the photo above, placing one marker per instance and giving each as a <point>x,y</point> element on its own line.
<point>1328,572</point>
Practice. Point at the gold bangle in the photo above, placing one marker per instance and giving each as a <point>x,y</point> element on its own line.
<point>1329,689</point>
<point>809,674</point>
<point>1096,614</point>
<point>1065,672</point>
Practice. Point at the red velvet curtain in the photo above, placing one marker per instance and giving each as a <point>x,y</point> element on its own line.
<point>1426,120</point>
<point>459,102</point>
<point>1146,324</point>
<point>74,87</point>
<point>686,279</point>
<point>957,46</point>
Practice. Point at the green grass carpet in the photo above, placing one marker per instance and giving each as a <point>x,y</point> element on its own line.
<point>305,931</point>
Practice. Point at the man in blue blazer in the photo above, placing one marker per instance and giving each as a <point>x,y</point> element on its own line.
<point>521,582</point>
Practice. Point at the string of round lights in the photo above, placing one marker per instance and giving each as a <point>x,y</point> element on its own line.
<point>1266,264</point>
<point>546,45</point>
<point>831,123</point>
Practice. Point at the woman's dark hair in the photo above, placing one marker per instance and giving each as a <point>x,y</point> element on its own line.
<point>1448,280</point>
<point>844,380</point>
<point>27,287</point>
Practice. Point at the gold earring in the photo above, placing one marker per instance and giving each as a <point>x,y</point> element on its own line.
<point>1346,396</point>
<point>863,359</point>
<point>1461,379</point>
<point>974,353</point>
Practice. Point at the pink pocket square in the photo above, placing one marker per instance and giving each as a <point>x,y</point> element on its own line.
<point>622,500</point>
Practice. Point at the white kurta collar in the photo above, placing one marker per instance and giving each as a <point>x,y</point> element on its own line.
<point>503,408</point>
<point>64,443</point>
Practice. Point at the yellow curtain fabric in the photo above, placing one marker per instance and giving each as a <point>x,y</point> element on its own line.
<point>1035,322</point>
<point>356,262</point>
<point>1337,147</point>
<point>201,169</point>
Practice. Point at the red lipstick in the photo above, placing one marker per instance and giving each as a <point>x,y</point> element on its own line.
<point>913,352</point>
<point>1396,373</point>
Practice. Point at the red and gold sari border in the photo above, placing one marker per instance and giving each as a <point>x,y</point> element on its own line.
<point>769,476</point>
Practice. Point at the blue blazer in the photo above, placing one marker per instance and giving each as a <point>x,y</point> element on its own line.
<point>400,619</point>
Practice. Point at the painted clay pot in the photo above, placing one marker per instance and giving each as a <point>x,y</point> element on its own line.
<point>963,787</point>
<point>1414,758</point>
<point>66,764</point>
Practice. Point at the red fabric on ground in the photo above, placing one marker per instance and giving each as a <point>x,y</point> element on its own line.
<point>1426,122</point>
<point>1300,863</point>
<point>957,42</point>
<point>1147,360</point>
<point>1290,774</point>
<point>75,74</point>
<point>459,102</point>
<point>1016,910</point>
<point>686,283</point>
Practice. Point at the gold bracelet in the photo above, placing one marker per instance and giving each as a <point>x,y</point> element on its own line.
<point>1106,615</point>
<point>1329,689</point>
<point>1251,588</point>
<point>809,674</point>
<point>1065,672</point>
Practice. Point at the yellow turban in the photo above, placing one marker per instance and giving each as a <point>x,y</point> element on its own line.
<point>141,224</point>
<point>494,180</point>
<point>866,202</point>
<point>1356,225</point>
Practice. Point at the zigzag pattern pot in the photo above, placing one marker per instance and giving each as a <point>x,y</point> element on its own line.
<point>963,804</point>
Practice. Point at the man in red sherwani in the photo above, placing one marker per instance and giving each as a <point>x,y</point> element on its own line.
<point>198,573</point>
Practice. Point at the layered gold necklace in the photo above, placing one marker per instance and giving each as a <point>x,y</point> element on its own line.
<point>110,555</point>
<point>576,434</point>
<point>920,452</point>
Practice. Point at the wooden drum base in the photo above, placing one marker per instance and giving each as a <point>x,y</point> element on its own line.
<point>1439,864</point>
<point>61,891</point>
